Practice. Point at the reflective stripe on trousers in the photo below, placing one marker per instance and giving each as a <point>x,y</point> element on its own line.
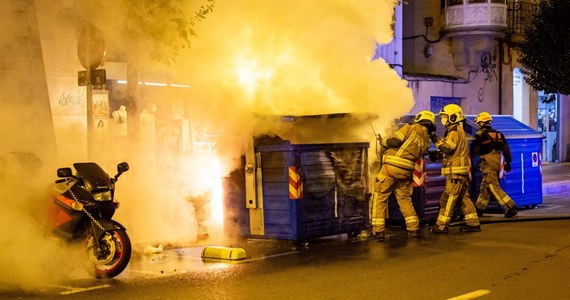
<point>398,181</point>
<point>456,189</point>
<point>490,185</point>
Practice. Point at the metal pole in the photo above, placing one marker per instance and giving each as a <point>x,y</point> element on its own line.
<point>89,96</point>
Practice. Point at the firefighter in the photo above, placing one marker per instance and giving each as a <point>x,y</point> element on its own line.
<point>456,166</point>
<point>404,149</point>
<point>488,144</point>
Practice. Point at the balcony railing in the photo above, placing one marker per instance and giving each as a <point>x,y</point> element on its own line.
<point>487,16</point>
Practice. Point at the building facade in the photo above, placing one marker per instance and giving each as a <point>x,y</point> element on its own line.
<point>466,52</point>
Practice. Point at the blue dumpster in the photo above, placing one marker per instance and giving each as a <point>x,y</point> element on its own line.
<point>524,182</point>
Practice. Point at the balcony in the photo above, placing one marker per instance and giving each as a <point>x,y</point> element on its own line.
<point>520,16</point>
<point>475,17</point>
<point>473,27</point>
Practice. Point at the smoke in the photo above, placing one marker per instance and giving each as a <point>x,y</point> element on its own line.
<point>31,256</point>
<point>293,58</point>
<point>251,63</point>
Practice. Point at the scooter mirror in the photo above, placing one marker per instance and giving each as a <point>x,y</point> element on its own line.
<point>122,167</point>
<point>64,172</point>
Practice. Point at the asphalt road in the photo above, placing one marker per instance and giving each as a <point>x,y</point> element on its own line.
<point>514,259</point>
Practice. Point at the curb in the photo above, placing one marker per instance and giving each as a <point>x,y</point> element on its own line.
<point>518,218</point>
<point>555,187</point>
<point>527,218</point>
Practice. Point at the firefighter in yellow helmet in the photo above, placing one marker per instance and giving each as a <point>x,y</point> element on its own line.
<point>488,144</point>
<point>404,148</point>
<point>456,167</point>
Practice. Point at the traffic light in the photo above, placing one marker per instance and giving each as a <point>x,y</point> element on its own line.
<point>98,77</point>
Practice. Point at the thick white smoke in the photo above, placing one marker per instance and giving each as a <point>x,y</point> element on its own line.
<point>250,58</point>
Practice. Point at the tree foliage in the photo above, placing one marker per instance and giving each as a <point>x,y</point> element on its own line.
<point>148,29</point>
<point>159,29</point>
<point>545,52</point>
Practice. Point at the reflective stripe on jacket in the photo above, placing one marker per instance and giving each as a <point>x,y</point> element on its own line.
<point>454,147</point>
<point>407,145</point>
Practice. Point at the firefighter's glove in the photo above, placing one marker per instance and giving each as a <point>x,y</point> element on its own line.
<point>434,138</point>
<point>507,167</point>
<point>434,156</point>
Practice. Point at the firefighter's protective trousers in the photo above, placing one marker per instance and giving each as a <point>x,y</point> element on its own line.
<point>455,166</point>
<point>456,189</point>
<point>490,165</point>
<point>392,179</point>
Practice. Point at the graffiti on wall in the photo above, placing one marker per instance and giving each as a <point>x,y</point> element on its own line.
<point>69,102</point>
<point>487,69</point>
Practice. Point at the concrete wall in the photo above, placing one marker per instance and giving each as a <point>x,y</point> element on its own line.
<point>67,100</point>
<point>25,114</point>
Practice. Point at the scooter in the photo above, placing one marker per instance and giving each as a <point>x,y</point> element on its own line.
<point>81,208</point>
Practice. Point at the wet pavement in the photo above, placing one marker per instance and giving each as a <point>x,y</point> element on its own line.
<point>503,261</point>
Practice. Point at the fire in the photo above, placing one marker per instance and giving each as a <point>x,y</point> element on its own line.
<point>205,185</point>
<point>250,76</point>
<point>217,205</point>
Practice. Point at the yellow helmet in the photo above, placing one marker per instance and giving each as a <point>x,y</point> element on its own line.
<point>453,112</point>
<point>483,117</point>
<point>425,115</point>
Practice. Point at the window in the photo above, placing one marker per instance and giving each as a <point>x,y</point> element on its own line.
<point>520,15</point>
<point>454,2</point>
<point>436,103</point>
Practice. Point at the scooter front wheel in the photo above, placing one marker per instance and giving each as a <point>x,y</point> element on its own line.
<point>112,256</point>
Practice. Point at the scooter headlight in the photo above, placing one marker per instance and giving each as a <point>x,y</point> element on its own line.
<point>103,196</point>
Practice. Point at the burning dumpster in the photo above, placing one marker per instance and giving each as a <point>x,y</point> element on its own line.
<point>300,191</point>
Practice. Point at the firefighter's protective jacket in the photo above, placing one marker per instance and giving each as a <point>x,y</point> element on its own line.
<point>454,148</point>
<point>489,143</point>
<point>406,145</point>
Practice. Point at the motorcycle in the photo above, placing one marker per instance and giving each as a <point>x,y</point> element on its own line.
<point>81,207</point>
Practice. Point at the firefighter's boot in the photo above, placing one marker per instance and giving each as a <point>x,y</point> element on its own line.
<point>380,237</point>
<point>511,212</point>
<point>413,234</point>
<point>437,229</point>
